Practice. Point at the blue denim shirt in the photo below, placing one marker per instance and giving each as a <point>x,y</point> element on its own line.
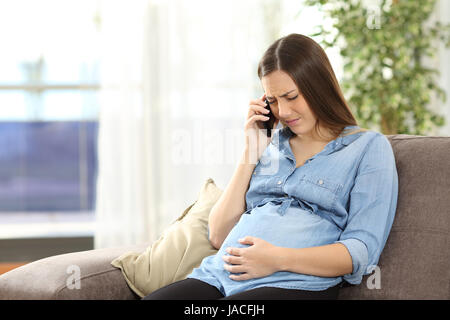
<point>347,193</point>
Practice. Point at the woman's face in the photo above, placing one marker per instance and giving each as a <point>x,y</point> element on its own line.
<point>287,103</point>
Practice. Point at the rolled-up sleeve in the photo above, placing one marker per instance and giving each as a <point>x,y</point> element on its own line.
<point>372,207</point>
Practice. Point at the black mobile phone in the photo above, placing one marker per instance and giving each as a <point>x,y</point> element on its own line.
<point>268,125</point>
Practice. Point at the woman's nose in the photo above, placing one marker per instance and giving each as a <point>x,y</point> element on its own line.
<point>284,112</point>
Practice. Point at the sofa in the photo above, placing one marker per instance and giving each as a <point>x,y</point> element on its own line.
<point>415,263</point>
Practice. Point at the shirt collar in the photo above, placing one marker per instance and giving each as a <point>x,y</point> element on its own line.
<point>346,140</point>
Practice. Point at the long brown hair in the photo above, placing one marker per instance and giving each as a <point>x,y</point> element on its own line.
<point>308,66</point>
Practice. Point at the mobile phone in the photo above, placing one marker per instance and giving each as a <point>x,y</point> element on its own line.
<point>268,125</point>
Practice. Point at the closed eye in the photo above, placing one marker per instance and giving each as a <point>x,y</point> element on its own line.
<point>290,99</point>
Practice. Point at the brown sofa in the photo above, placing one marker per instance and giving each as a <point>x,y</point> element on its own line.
<point>415,263</point>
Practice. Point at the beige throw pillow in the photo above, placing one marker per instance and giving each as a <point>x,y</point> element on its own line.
<point>179,250</point>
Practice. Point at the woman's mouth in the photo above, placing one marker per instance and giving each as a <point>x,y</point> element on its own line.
<point>292,122</point>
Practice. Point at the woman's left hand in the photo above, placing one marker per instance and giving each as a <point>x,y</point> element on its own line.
<point>256,261</point>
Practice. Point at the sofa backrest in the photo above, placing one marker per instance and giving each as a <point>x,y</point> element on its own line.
<point>415,263</point>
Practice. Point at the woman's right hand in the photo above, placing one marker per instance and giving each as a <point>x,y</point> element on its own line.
<point>256,139</point>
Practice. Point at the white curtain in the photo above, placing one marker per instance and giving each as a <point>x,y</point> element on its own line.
<point>125,193</point>
<point>177,77</point>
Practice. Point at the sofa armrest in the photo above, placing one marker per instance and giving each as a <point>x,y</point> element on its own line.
<point>53,278</point>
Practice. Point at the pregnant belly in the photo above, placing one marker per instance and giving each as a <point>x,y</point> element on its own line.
<point>297,228</point>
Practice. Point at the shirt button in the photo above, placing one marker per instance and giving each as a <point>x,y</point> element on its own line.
<point>320,181</point>
<point>279,182</point>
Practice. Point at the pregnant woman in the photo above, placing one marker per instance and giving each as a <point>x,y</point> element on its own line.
<point>315,208</point>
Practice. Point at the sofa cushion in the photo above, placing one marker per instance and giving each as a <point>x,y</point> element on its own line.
<point>179,250</point>
<point>415,261</point>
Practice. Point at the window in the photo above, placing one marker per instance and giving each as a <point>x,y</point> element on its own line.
<point>49,83</point>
